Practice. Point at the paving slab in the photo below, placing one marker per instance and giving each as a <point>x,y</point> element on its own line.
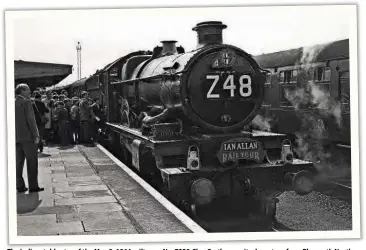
<point>61,184</point>
<point>47,202</point>
<point>108,215</point>
<point>67,217</point>
<point>44,171</point>
<point>85,183</point>
<point>59,168</point>
<point>51,210</point>
<point>84,178</point>
<point>80,188</point>
<point>87,172</point>
<point>77,201</point>
<point>93,193</point>
<point>99,207</point>
<point>78,169</point>
<point>51,229</point>
<point>31,220</point>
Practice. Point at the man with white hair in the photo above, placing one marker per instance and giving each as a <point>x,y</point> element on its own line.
<point>27,139</point>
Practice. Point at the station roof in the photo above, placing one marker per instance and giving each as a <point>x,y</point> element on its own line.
<point>40,74</point>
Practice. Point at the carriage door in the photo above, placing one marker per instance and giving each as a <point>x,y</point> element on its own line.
<point>344,92</point>
<point>344,98</point>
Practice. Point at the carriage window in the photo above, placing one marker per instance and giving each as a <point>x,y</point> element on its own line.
<point>319,74</point>
<point>293,75</point>
<point>288,76</point>
<point>268,79</point>
<point>281,77</point>
<point>322,74</point>
<point>327,74</point>
<point>311,73</point>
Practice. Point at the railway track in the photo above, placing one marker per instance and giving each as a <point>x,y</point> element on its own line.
<point>336,188</point>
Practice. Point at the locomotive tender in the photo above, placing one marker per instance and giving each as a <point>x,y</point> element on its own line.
<point>183,119</point>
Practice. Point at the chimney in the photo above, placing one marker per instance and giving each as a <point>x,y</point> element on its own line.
<point>209,32</point>
<point>169,48</point>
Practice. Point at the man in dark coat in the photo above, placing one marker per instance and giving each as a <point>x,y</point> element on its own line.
<point>40,110</point>
<point>27,139</point>
<point>86,116</point>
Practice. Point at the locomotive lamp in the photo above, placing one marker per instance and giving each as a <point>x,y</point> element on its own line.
<point>193,160</point>
<point>287,155</point>
<point>202,191</point>
<point>302,182</point>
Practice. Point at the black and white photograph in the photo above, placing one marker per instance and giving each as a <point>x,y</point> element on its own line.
<point>179,124</point>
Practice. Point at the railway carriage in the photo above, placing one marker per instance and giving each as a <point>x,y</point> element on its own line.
<point>311,88</point>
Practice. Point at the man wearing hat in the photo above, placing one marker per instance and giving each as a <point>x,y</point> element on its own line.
<point>64,92</point>
<point>27,138</point>
<point>85,118</point>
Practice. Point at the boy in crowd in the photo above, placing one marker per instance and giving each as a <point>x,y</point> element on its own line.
<point>75,119</point>
<point>68,105</point>
<point>62,120</point>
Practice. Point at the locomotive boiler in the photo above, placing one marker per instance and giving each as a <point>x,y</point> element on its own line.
<point>182,119</point>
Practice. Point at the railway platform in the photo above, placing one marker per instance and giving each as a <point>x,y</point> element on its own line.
<point>88,191</point>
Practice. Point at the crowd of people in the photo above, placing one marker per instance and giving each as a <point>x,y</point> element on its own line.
<point>48,117</point>
<point>65,120</point>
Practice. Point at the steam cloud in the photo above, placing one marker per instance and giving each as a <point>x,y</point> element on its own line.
<point>262,123</point>
<point>308,140</point>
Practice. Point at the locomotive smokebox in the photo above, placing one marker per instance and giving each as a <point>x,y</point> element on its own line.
<point>209,33</point>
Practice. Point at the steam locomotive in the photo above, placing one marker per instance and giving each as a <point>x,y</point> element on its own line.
<point>182,119</point>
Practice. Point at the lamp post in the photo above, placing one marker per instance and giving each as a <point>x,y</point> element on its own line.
<point>78,52</point>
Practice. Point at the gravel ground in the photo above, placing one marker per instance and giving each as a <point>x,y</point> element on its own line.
<point>313,212</point>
